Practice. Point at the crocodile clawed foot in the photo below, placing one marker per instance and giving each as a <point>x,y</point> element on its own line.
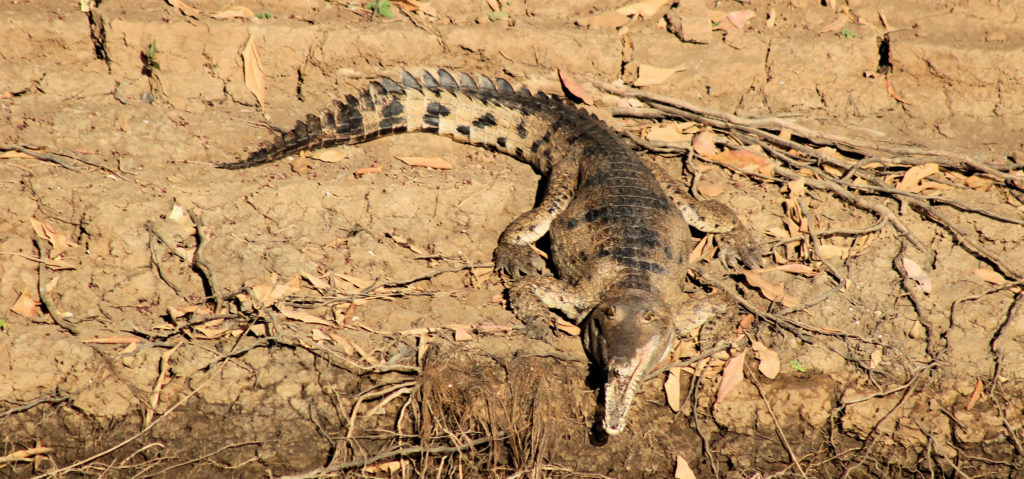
<point>517,260</point>
<point>739,247</point>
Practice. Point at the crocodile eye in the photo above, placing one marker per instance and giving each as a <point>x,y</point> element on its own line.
<point>648,317</point>
<point>610,311</point>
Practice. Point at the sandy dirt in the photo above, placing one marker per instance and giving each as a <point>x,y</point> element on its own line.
<point>355,325</point>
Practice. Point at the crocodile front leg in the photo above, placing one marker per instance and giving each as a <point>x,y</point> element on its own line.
<point>513,254</point>
<point>735,240</point>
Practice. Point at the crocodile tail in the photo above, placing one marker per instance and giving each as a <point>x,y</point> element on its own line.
<point>485,112</point>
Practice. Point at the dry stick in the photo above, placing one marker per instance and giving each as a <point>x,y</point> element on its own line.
<point>1011,325</point>
<point>41,156</point>
<point>877,184</point>
<point>153,259</point>
<point>757,125</point>
<point>913,290</point>
<point>44,296</point>
<point>407,451</point>
<point>25,454</point>
<point>778,427</point>
<point>932,440</point>
<point>154,398</point>
<point>200,264</point>
<point>31,404</point>
<point>966,242</point>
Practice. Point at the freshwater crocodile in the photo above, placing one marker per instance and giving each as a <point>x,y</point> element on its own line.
<point>618,224</point>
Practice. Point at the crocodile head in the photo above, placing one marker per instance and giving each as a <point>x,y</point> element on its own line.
<point>627,335</point>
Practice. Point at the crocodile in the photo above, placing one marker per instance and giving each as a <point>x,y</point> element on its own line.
<point>619,225</point>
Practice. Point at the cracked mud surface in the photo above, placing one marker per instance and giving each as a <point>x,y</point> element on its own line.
<point>279,390</point>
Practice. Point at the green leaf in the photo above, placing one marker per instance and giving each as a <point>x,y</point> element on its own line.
<point>3,325</point>
<point>796,365</point>
<point>382,8</point>
<point>495,16</point>
<point>847,33</point>
<point>263,15</point>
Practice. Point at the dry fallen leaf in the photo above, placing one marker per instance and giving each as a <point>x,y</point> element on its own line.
<point>742,159</point>
<point>796,268</point>
<point>768,360</point>
<point>683,470</point>
<point>652,75</point>
<point>300,164</point>
<point>355,280</point>
<point>672,383</point>
<point>364,171</point>
<point>574,89</point>
<point>236,11</point>
<point>25,305</point>
<point>892,91</point>
<point>711,190</point>
<point>876,357</point>
<point>735,21</point>
<point>59,242</point>
<point>670,133</point>
<point>989,276</point>
<point>732,376</point>
<point>771,291</point>
<point>704,143</point>
<point>978,182</point>
<point>912,178</point>
<point>976,395</point>
<point>462,332</point>
<point>252,67</point>
<point>646,8</point>
<point>301,315</point>
<point>916,273</point>
<point>426,161</point>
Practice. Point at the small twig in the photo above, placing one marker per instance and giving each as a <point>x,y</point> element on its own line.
<point>201,265</point>
<point>51,399</point>
<point>25,454</point>
<point>751,375</point>
<point>44,295</point>
<point>154,398</point>
<point>40,155</point>
<point>156,263</point>
<point>403,452</point>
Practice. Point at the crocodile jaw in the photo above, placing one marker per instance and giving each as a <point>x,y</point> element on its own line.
<point>625,378</point>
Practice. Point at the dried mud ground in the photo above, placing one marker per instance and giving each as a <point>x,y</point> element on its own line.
<point>354,326</point>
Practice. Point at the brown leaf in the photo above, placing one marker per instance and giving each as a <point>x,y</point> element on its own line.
<point>59,242</point>
<point>462,332</point>
<point>976,395</point>
<point>989,276</point>
<point>704,143</point>
<point>574,88</point>
<point>742,159</point>
<point>355,280</point>
<point>302,315</point>
<point>772,291</point>
<point>892,91</point>
<point>672,383</point>
<point>683,470</point>
<point>25,305</point>
<point>252,67</point>
<point>609,19</point>
<point>670,133</point>
<point>652,75</point>
<point>646,8</point>
<point>916,273</point>
<point>365,171</point>
<point>912,178</point>
<point>346,346</point>
<point>732,376</point>
<point>796,268</point>
<point>300,164</point>
<point>875,358</point>
<point>236,11</point>
<point>426,161</point>
<point>768,360</point>
<point>735,20</point>
<point>978,182</point>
